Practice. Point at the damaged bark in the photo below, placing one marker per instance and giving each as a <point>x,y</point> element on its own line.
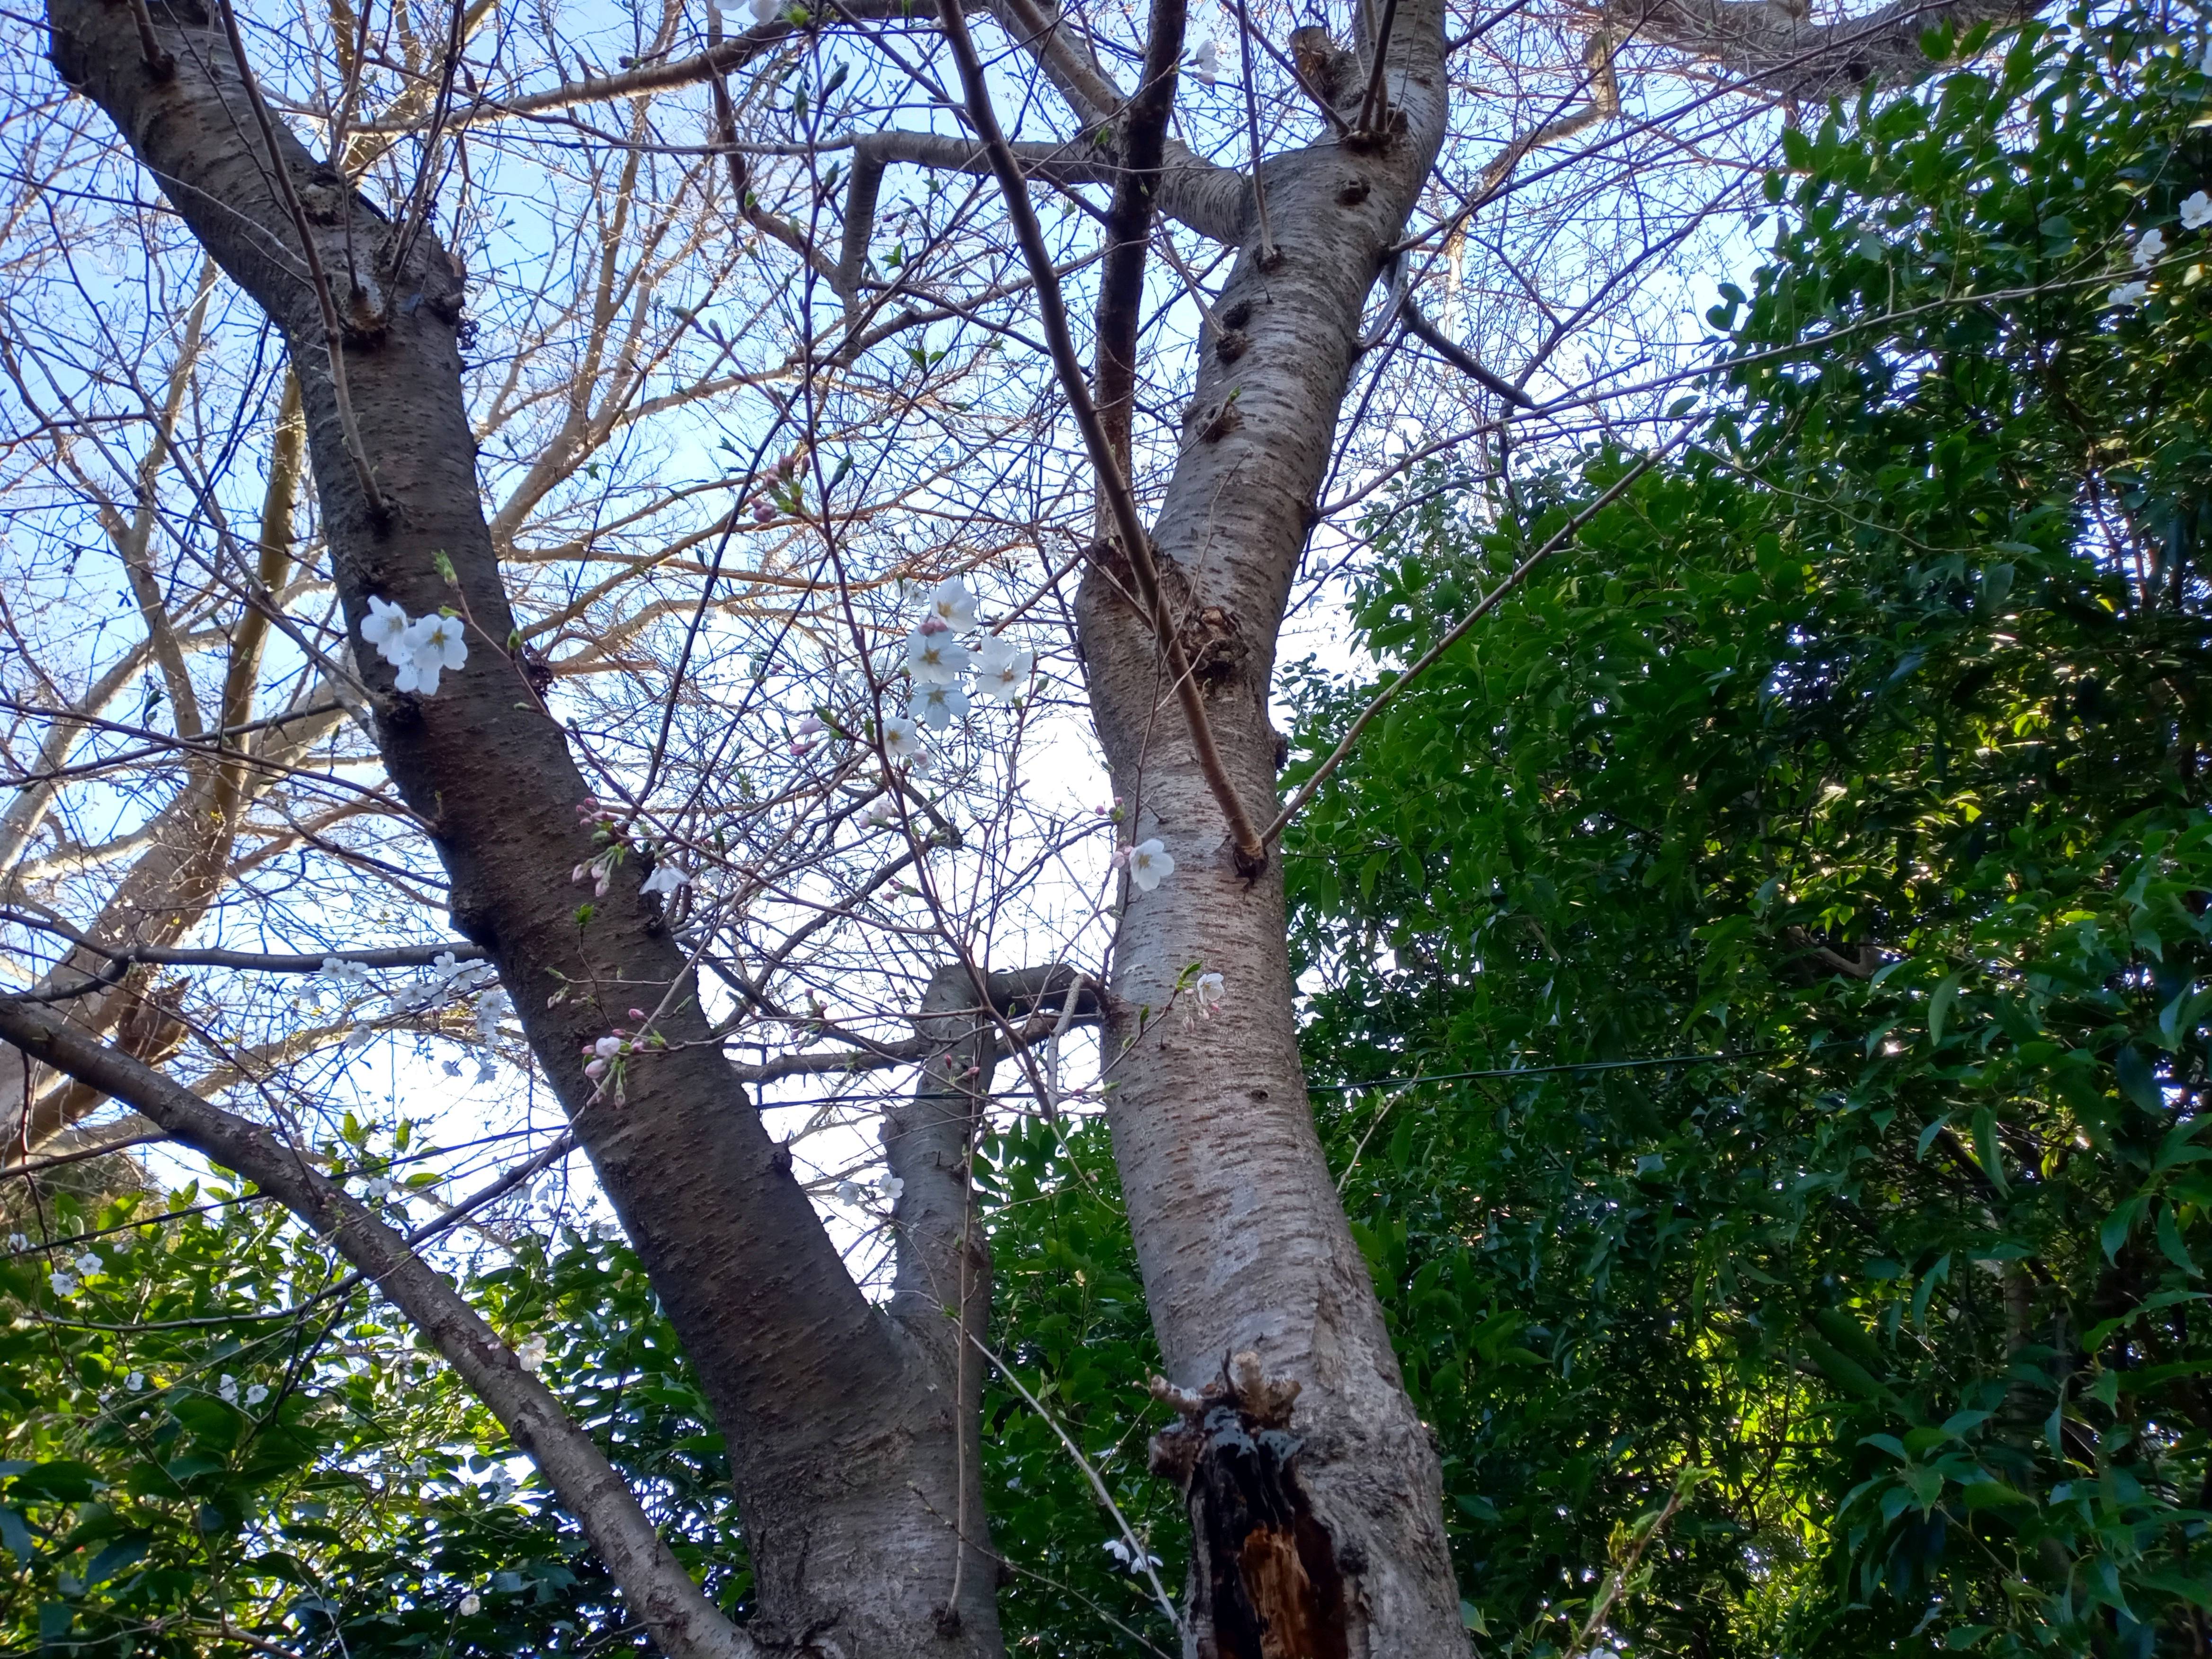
<point>1267,1581</point>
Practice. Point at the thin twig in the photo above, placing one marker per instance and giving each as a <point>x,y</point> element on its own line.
<point>1617,1580</point>
<point>1489,601</point>
<point>1250,846</point>
<point>1375,103</point>
<point>159,63</point>
<point>1137,1552</point>
<point>1267,253</point>
<point>1453,353</point>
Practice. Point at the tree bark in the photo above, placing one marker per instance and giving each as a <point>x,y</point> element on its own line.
<point>1243,1244</point>
<point>835,1419</point>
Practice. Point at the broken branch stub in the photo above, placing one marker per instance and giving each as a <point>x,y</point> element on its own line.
<point>1266,1581</point>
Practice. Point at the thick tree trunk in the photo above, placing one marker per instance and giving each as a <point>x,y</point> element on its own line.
<point>835,1419</point>
<point>1337,1532</point>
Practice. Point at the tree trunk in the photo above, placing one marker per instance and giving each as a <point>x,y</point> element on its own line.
<point>1337,1532</point>
<point>836,1420</point>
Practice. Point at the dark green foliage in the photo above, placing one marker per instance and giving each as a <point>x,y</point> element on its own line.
<point>1864,746</point>
<point>178,1465</point>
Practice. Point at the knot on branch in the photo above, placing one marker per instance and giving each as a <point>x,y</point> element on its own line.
<point>1215,645</point>
<point>1265,1570</point>
<point>1211,639</point>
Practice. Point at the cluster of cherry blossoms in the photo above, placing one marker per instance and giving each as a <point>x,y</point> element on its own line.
<point>857,1194</point>
<point>226,1386</point>
<point>63,1282</point>
<point>938,661</point>
<point>448,979</point>
<point>664,877</point>
<point>421,648</point>
<point>2151,246</point>
<point>607,1060</point>
<point>1132,1560</point>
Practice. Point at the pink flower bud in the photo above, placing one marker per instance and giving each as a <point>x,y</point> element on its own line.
<point>763,512</point>
<point>596,1070</point>
<point>934,623</point>
<point>637,1013</point>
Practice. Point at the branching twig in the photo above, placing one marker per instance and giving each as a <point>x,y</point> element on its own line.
<point>1250,848</point>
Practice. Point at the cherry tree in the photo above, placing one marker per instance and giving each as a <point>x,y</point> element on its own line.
<point>742,460</point>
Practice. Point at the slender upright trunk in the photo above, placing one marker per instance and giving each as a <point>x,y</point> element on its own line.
<point>1332,1540</point>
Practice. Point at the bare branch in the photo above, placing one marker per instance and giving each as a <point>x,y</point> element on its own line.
<point>685,1623</point>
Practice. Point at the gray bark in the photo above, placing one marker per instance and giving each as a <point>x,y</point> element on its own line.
<point>1243,1244</point>
<point>1777,47</point>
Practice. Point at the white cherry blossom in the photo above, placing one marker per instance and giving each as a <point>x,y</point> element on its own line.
<point>256,1395</point>
<point>1206,62</point>
<point>902,741</point>
<point>434,644</point>
<point>471,1605</point>
<point>665,878</point>
<point>766,11</point>
<point>1150,864</point>
<point>1002,670</point>
<point>531,1354</point>
<point>227,1386</point>
<point>2196,210</point>
<point>1208,991</point>
<point>2131,294</point>
<point>936,658</point>
<point>135,1382</point>
<point>386,631</point>
<point>890,1187</point>
<point>89,1264</point>
<point>2150,249</point>
<point>63,1284</point>
<point>954,605</point>
<point>939,706</point>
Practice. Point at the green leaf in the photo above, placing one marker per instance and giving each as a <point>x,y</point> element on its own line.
<point>1987,1151</point>
<point>122,1552</point>
<point>2169,1241</point>
<point>17,1536</point>
<point>1939,1004</point>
